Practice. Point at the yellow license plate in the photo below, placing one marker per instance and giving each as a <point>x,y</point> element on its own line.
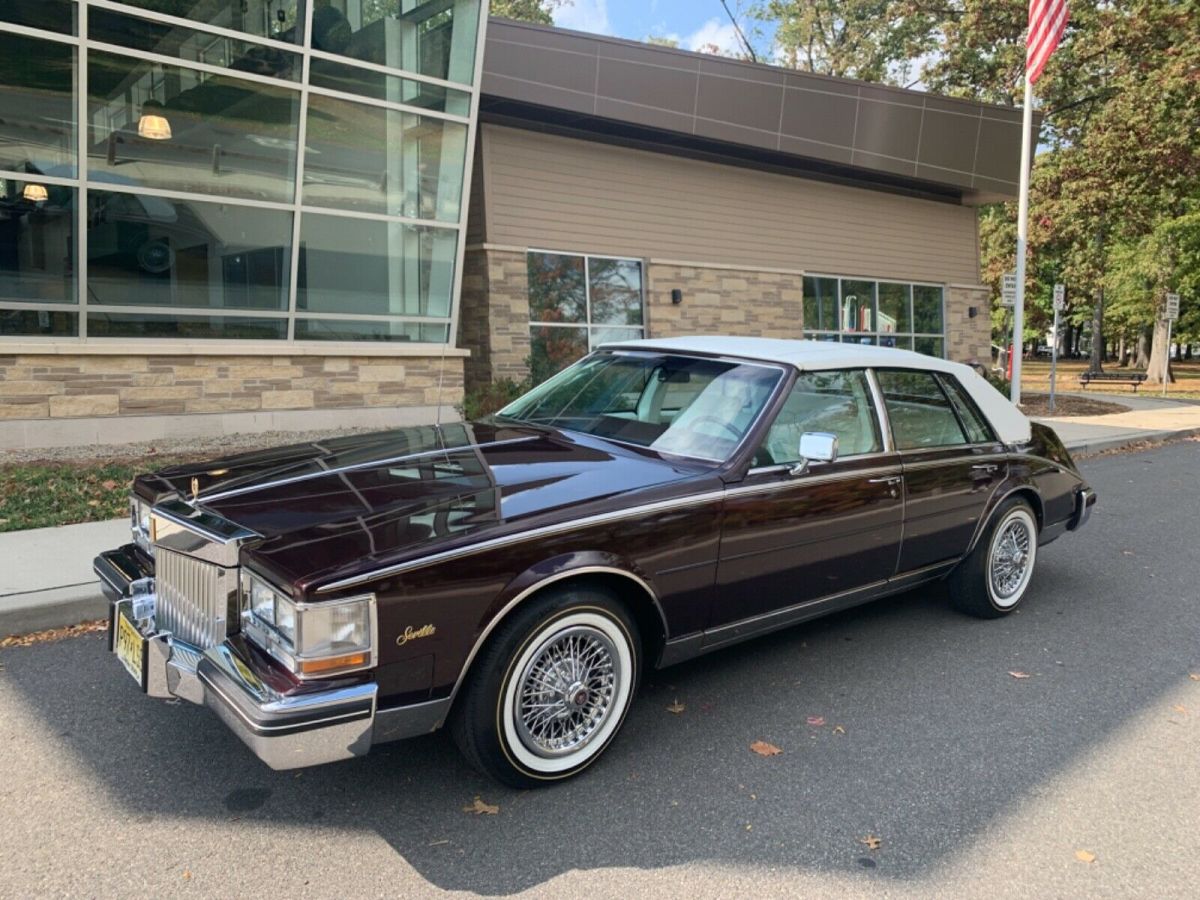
<point>130,647</point>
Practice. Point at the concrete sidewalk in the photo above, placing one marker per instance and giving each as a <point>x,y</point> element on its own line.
<point>46,578</point>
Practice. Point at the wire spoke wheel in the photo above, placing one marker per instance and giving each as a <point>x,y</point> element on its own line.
<point>566,691</point>
<point>1010,563</point>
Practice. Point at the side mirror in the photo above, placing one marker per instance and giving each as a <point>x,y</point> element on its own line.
<point>816,446</point>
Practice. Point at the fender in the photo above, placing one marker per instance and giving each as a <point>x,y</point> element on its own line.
<point>544,574</point>
<point>1005,489</point>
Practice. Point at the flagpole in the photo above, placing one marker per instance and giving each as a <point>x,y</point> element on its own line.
<point>1022,236</point>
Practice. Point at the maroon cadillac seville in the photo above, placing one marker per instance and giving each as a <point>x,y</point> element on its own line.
<point>512,578</point>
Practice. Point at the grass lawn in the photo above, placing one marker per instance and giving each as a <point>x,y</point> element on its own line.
<point>1035,376</point>
<point>40,494</point>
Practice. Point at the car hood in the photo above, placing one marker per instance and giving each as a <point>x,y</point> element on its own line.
<point>327,507</point>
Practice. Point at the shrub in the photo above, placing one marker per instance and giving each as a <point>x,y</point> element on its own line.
<point>491,398</point>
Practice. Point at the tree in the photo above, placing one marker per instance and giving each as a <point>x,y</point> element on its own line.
<point>872,40</point>
<point>539,11</point>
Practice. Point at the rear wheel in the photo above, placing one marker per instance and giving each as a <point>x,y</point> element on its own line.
<point>551,689</point>
<point>994,578</point>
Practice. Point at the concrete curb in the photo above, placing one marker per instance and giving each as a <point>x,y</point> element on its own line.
<point>53,608</point>
<point>59,607</point>
<point>1084,449</point>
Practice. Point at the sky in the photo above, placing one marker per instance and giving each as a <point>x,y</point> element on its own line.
<point>694,23</point>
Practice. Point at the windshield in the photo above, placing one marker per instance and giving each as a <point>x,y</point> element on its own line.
<point>681,405</point>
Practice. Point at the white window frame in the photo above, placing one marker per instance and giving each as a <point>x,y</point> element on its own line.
<point>840,335</point>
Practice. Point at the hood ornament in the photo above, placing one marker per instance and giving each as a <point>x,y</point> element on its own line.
<point>195,486</point>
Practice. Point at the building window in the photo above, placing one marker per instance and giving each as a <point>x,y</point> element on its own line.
<point>226,177</point>
<point>887,313</point>
<point>577,303</point>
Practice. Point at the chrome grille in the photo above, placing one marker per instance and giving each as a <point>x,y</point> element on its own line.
<point>193,597</point>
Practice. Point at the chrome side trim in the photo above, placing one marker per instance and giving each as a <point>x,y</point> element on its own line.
<point>521,537</point>
<point>781,618</point>
<point>814,479</point>
<point>885,422</point>
<point>307,476</point>
<point>938,463</point>
<point>546,582</point>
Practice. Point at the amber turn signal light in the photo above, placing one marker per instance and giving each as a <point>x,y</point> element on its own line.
<point>332,663</point>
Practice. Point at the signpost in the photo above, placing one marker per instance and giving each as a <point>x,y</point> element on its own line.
<point>1172,313</point>
<point>1008,289</point>
<point>1060,303</point>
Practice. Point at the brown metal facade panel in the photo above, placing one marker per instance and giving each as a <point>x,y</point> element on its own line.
<point>827,127</point>
<point>552,192</point>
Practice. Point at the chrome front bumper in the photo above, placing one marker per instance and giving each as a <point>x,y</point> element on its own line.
<point>285,730</point>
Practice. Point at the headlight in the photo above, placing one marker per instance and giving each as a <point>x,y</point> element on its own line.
<point>310,639</point>
<point>139,523</point>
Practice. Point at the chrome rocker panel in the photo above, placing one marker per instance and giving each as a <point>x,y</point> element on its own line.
<point>284,731</point>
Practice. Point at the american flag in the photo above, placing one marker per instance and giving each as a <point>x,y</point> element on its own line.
<point>1047,22</point>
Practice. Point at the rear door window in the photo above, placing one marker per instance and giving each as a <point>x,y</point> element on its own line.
<point>977,427</point>
<point>919,410</point>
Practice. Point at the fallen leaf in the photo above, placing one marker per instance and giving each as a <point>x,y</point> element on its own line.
<point>480,808</point>
<point>52,634</point>
<point>1179,708</point>
<point>816,720</point>
<point>1195,676</point>
<point>676,707</point>
<point>872,842</point>
<point>187,875</point>
<point>838,729</point>
<point>109,485</point>
<point>762,748</point>
<point>93,503</point>
<point>1020,674</point>
<point>1085,856</point>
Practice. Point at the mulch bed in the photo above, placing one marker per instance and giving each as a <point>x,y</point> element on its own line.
<point>1039,405</point>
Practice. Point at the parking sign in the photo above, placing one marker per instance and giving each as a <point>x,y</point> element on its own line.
<point>1172,307</point>
<point>1060,297</point>
<point>1008,289</point>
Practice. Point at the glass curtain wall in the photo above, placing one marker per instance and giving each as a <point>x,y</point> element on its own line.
<point>285,170</point>
<point>887,313</point>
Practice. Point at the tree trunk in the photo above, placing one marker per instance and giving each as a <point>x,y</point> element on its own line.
<point>1097,364</point>
<point>1187,353</point>
<point>1158,355</point>
<point>1143,348</point>
<point>1123,353</point>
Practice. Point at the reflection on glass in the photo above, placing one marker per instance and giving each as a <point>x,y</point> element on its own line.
<point>900,342</point>
<point>50,15</point>
<point>894,314</point>
<point>557,288</point>
<point>379,160</point>
<point>820,304</point>
<point>616,291</point>
<point>49,322</point>
<point>37,242</point>
<point>858,306</point>
<point>371,267</point>
<point>927,310</point>
<point>228,136</point>
<point>146,325</point>
<point>370,330</point>
<point>192,45</point>
<point>432,37</point>
<point>930,346</point>
<point>152,251</point>
<point>278,19</point>
<point>553,349</point>
<point>351,79</point>
<point>613,335</point>
<point>37,112</point>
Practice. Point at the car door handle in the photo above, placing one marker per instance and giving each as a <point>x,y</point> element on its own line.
<point>985,468</point>
<point>888,479</point>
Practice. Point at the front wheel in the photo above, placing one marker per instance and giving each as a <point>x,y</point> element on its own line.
<point>993,579</point>
<point>551,689</point>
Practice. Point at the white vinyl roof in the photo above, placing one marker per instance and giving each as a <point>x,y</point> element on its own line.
<point>808,356</point>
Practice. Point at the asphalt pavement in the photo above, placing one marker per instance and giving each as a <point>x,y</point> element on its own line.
<point>901,721</point>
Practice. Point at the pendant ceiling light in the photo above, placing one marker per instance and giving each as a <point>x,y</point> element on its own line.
<point>36,193</point>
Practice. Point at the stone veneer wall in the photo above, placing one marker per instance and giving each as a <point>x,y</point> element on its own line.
<point>717,300</point>
<point>54,386</point>
<point>970,340</point>
<point>494,315</point>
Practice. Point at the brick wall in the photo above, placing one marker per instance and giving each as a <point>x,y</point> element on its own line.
<point>61,386</point>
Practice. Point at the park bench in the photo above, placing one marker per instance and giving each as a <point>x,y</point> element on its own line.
<point>1134,378</point>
